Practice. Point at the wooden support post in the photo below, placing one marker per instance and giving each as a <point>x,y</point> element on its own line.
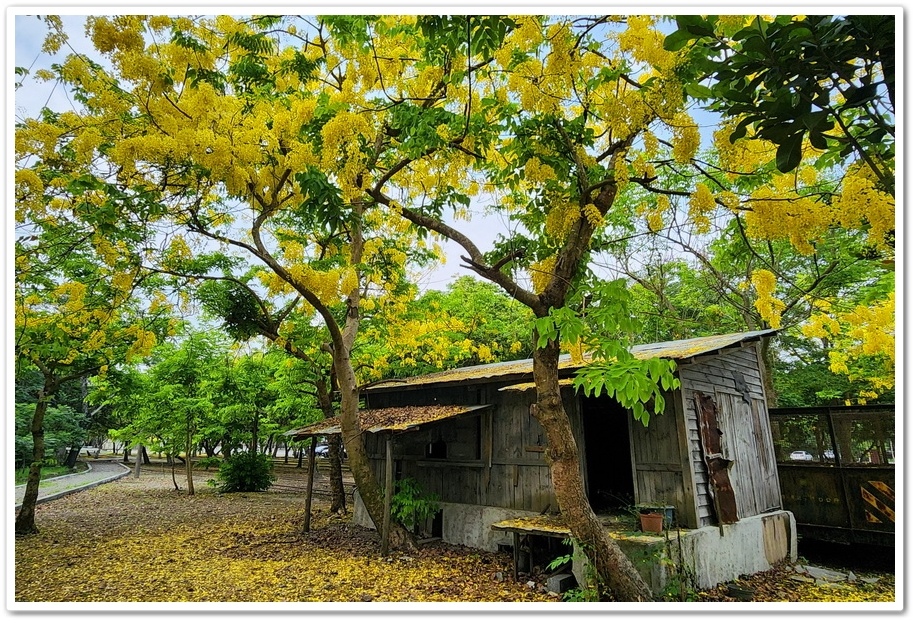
<point>307,524</point>
<point>389,478</point>
<point>515,544</point>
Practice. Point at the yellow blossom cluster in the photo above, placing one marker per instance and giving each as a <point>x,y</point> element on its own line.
<point>655,215</point>
<point>873,327</point>
<point>627,109</point>
<point>541,272</point>
<point>621,171</point>
<point>116,32</point>
<point>744,156</point>
<point>700,204</point>
<point>646,43</point>
<point>143,342</point>
<point>536,172</point>
<point>776,214</point>
<point>654,220</point>
<point>592,215</point>
<point>865,331</point>
<point>29,191</point>
<point>821,326</point>
<point>71,296</point>
<point>326,284</point>
<point>779,210</point>
<point>729,24</point>
<point>561,218</point>
<point>768,306</point>
<point>685,137</point>
<point>527,36</point>
<point>861,202</point>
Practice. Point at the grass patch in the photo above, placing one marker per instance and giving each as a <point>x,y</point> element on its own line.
<point>22,474</point>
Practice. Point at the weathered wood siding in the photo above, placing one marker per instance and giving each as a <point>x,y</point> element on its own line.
<point>742,409</point>
<point>747,441</point>
<point>494,458</point>
<point>658,467</point>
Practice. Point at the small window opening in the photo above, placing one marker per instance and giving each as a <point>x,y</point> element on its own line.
<point>436,450</point>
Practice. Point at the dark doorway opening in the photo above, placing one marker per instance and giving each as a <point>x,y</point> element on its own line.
<point>537,553</point>
<point>436,529</point>
<point>609,469</point>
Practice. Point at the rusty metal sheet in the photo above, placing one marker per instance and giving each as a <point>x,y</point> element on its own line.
<point>717,465</point>
<point>814,494</point>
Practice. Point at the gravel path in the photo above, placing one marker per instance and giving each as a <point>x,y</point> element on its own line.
<point>99,472</point>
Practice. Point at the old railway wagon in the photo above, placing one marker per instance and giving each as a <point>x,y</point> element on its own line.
<point>837,471</point>
<point>467,436</point>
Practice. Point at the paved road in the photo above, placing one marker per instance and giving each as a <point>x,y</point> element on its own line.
<point>99,472</point>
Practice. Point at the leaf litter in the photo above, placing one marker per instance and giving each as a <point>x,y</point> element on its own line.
<point>139,540</point>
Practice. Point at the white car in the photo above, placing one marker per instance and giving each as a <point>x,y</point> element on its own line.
<point>801,455</point>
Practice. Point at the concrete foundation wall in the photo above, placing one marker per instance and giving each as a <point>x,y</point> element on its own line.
<point>720,553</point>
<point>462,524</point>
<point>705,557</point>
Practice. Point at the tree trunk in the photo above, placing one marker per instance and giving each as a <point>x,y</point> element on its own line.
<point>174,479</point>
<point>366,483</point>
<point>138,461</point>
<point>189,464</point>
<point>226,448</point>
<point>338,496</point>
<point>254,435</point>
<point>25,519</point>
<point>767,356</point>
<point>615,571</point>
<point>338,500</point>
<point>309,488</point>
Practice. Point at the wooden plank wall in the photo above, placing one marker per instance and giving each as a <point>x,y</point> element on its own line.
<point>714,376</point>
<point>657,465</point>
<point>493,460</point>
<point>748,442</point>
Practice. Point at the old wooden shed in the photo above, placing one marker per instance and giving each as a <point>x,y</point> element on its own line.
<point>467,436</point>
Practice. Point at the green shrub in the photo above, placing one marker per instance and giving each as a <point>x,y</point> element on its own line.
<point>245,472</point>
<point>208,462</point>
<point>410,505</point>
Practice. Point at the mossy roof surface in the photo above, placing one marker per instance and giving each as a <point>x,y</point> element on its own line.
<point>388,419</point>
<point>677,350</point>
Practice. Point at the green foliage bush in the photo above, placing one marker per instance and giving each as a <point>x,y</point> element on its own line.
<point>245,472</point>
<point>208,462</point>
<point>410,505</point>
<point>63,427</point>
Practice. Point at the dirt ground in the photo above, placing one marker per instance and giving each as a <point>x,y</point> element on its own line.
<point>140,540</point>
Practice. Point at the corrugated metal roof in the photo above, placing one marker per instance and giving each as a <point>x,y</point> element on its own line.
<point>388,419</point>
<point>678,350</point>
